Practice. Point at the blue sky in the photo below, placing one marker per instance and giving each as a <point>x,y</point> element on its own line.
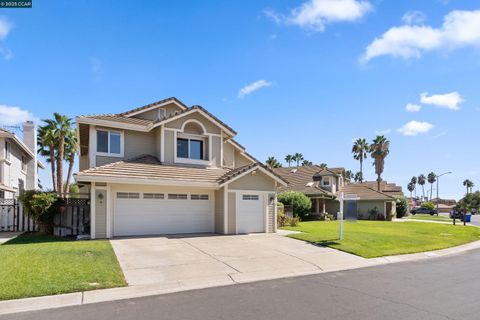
<point>318,77</point>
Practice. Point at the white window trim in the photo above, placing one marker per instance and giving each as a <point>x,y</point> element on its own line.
<point>109,154</point>
<point>327,179</point>
<point>206,151</point>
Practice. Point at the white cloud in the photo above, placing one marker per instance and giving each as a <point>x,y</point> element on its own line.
<point>10,115</point>
<point>248,89</point>
<point>459,29</point>
<point>450,100</point>
<point>414,17</point>
<point>316,14</point>
<point>413,128</point>
<point>413,107</point>
<point>383,131</point>
<point>5,27</point>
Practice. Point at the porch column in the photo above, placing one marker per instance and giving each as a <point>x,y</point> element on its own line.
<point>324,211</point>
<point>92,210</point>
<point>317,205</point>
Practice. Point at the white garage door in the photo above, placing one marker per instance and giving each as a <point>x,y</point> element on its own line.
<point>250,212</point>
<point>147,213</point>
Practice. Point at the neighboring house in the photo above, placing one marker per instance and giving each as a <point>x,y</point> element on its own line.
<point>166,168</point>
<point>325,185</point>
<point>18,162</point>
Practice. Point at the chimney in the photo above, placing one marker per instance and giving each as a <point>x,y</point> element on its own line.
<point>30,140</point>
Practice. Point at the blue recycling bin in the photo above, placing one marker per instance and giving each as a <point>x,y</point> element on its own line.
<point>468,218</point>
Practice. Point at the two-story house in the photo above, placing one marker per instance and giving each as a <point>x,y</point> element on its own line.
<point>18,162</point>
<point>166,168</point>
<point>324,187</point>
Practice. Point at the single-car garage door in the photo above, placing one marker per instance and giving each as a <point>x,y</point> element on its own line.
<point>250,211</point>
<point>147,213</point>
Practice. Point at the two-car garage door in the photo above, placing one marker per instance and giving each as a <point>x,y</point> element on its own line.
<point>148,213</point>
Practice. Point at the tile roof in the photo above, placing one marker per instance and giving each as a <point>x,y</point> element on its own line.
<point>118,118</point>
<point>149,167</point>
<point>365,192</point>
<point>153,104</point>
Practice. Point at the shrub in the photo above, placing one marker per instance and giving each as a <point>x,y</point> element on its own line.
<point>373,213</point>
<point>428,205</point>
<point>300,202</point>
<point>402,207</point>
<point>293,222</point>
<point>281,218</point>
<point>42,207</point>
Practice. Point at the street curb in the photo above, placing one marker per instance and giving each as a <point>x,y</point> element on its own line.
<point>122,293</point>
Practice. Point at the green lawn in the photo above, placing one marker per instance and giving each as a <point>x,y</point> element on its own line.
<point>40,265</point>
<point>371,239</point>
<point>429,217</point>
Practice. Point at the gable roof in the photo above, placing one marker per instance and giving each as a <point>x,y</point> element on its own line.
<point>365,192</point>
<point>154,105</point>
<point>127,121</point>
<point>148,168</point>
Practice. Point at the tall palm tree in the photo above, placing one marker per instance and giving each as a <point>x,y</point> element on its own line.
<point>360,150</point>
<point>271,162</point>
<point>288,159</point>
<point>297,157</point>
<point>71,145</point>
<point>421,181</point>
<point>47,141</point>
<point>431,178</point>
<point>410,188</point>
<point>414,182</point>
<point>63,126</point>
<point>379,150</point>
<point>307,163</point>
<point>468,184</point>
<point>323,165</point>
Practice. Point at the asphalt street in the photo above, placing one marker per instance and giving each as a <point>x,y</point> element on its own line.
<point>440,288</point>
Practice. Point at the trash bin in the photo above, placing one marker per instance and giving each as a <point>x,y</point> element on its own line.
<point>468,218</point>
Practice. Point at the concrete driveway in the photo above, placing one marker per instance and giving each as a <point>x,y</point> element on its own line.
<point>215,260</point>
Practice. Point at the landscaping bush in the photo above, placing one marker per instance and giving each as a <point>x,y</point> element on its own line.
<point>301,203</point>
<point>281,218</point>
<point>293,222</point>
<point>428,205</point>
<point>402,207</point>
<point>42,207</point>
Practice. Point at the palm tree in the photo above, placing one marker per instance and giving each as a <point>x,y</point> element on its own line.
<point>307,163</point>
<point>71,145</point>
<point>348,175</point>
<point>410,188</point>
<point>431,178</point>
<point>468,184</point>
<point>46,147</point>
<point>379,150</point>
<point>360,149</point>
<point>63,126</point>
<point>421,181</point>
<point>358,177</point>
<point>414,182</point>
<point>288,159</point>
<point>272,163</point>
<point>297,157</point>
<point>323,165</point>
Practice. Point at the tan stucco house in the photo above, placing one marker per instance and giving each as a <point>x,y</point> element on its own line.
<point>166,168</point>
<point>325,185</point>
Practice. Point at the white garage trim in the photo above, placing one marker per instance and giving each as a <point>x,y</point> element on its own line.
<point>263,198</point>
<point>92,210</point>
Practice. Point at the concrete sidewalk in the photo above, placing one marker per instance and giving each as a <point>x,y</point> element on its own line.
<point>312,259</point>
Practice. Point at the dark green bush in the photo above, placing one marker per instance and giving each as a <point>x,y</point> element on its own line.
<point>302,204</point>
<point>402,207</point>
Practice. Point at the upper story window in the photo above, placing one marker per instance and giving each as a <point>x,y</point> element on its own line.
<point>8,150</point>
<point>109,142</point>
<point>190,148</point>
<point>326,182</point>
<point>24,163</point>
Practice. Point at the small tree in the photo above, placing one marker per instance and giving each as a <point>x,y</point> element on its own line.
<point>42,207</point>
<point>428,205</point>
<point>300,202</point>
<point>402,207</point>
